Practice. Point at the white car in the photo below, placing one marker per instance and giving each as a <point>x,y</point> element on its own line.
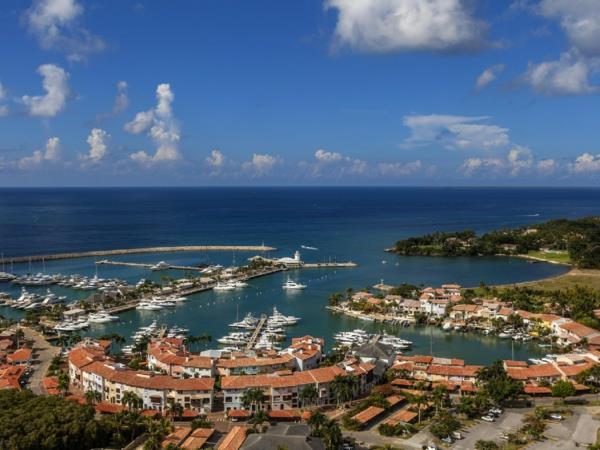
<point>488,418</point>
<point>496,411</point>
<point>457,435</point>
<point>556,416</point>
<point>431,447</point>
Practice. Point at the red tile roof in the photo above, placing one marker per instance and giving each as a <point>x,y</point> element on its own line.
<point>234,439</point>
<point>368,414</point>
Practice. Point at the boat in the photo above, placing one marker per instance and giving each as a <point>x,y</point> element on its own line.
<point>447,326</point>
<point>223,287</point>
<point>148,306</point>
<point>101,317</point>
<point>292,285</point>
<point>248,322</point>
<point>5,276</point>
<point>160,266</point>
<point>238,283</point>
<point>505,335</point>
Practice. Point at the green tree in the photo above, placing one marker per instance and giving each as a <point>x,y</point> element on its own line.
<point>563,389</point>
<point>175,410</point>
<point>92,396</point>
<point>253,398</point>
<point>444,425</point>
<point>343,388</point>
<point>63,382</point>
<point>308,395</point>
<point>497,384</point>
<point>316,422</point>
<point>331,435</point>
<point>482,444</point>
<point>131,401</point>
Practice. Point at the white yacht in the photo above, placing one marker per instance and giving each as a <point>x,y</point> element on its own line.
<point>148,306</point>
<point>224,287</point>
<point>238,284</point>
<point>279,319</point>
<point>249,322</point>
<point>292,285</point>
<point>160,266</point>
<point>101,317</point>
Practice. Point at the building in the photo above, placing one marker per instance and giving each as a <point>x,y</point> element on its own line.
<point>169,356</point>
<point>291,437</point>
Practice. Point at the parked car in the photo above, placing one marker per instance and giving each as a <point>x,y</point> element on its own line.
<point>448,440</point>
<point>488,418</point>
<point>503,436</point>
<point>496,411</point>
<point>430,446</point>
<point>556,416</point>
<point>457,435</point>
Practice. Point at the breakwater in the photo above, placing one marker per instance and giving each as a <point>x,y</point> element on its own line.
<point>132,251</point>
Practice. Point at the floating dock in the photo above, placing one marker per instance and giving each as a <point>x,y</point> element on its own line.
<point>254,337</point>
<point>132,251</point>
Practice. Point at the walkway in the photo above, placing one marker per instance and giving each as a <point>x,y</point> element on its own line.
<point>43,353</point>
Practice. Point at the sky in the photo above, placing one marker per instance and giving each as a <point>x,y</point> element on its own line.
<point>311,92</point>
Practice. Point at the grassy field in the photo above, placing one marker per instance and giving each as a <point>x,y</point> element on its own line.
<point>561,257</point>
<point>581,277</point>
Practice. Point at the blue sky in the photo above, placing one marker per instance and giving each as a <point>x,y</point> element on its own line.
<point>316,92</point>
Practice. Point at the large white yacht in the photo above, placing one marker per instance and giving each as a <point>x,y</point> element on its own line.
<point>148,306</point>
<point>289,284</point>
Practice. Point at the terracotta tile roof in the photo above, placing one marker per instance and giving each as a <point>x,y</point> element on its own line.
<point>198,438</point>
<point>149,380</point>
<point>535,371</point>
<point>465,307</point>
<point>448,385</point>
<point>421,359</point>
<point>448,361</point>
<point>178,435</point>
<point>238,413</point>
<point>531,389</point>
<point>393,400</point>
<point>578,329</point>
<point>320,375</point>
<point>468,387</point>
<point>368,414</point>
<point>82,356</point>
<point>402,416</point>
<point>575,369</point>
<point>512,363</point>
<point>19,356</point>
<point>108,408</point>
<point>286,414</point>
<point>51,385</point>
<point>453,371</point>
<point>234,439</point>
<point>254,362</point>
<point>10,376</point>
<point>402,382</point>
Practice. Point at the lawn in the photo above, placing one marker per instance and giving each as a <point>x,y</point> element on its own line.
<point>555,257</point>
<point>581,277</point>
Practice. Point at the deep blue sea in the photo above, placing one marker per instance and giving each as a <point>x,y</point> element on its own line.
<point>343,223</point>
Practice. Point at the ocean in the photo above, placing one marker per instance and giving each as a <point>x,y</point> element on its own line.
<point>343,223</point>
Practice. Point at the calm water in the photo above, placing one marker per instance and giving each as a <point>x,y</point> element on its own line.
<point>344,223</point>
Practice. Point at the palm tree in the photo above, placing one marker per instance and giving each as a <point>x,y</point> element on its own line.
<point>331,435</point>
<point>259,418</point>
<point>419,401</point>
<point>131,400</point>
<point>439,395</point>
<point>343,388</point>
<point>308,395</point>
<point>92,396</point>
<point>315,422</point>
<point>175,409</point>
<point>252,398</point>
<point>63,382</point>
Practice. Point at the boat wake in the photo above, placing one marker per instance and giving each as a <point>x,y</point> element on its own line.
<point>306,247</point>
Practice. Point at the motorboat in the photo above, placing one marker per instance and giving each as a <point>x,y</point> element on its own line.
<point>248,322</point>
<point>447,326</point>
<point>101,317</point>
<point>224,287</point>
<point>238,284</point>
<point>160,266</point>
<point>148,306</point>
<point>292,285</point>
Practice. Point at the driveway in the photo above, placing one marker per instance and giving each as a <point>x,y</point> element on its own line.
<point>43,353</point>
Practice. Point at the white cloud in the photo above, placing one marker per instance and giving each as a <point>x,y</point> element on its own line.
<point>547,166</point>
<point>585,163</point>
<point>51,153</point>
<point>260,164</point>
<point>406,25</point>
<point>120,104</point>
<point>216,160</point>
<point>567,76</point>
<point>326,157</point>
<point>97,140</point>
<point>472,165</point>
<point>453,132</point>
<point>488,75</point>
<point>54,81</point>
<point>580,20</point>
<point>162,128</point>
<point>55,24</point>
<point>400,169</point>
<point>519,159</point>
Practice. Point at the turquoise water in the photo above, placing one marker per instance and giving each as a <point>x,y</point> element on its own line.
<point>349,223</point>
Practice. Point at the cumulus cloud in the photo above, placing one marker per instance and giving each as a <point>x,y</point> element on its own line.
<point>120,104</point>
<point>406,25</point>
<point>54,82</point>
<point>519,159</point>
<point>51,153</point>
<point>55,23</point>
<point>400,169</point>
<point>488,75</point>
<point>580,20</point>
<point>454,132</point>
<point>568,75</point>
<point>547,166</point>
<point>326,157</point>
<point>216,160</point>
<point>472,165</point>
<point>161,126</point>
<point>97,140</point>
<point>585,163</point>
<point>260,164</point>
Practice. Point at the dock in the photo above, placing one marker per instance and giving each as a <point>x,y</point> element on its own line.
<point>132,251</point>
<point>254,337</point>
<point>329,265</point>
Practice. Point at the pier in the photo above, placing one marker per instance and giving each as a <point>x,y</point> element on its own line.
<point>329,265</point>
<point>132,251</point>
<point>254,337</point>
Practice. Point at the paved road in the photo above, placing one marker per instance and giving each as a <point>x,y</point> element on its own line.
<point>43,353</point>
